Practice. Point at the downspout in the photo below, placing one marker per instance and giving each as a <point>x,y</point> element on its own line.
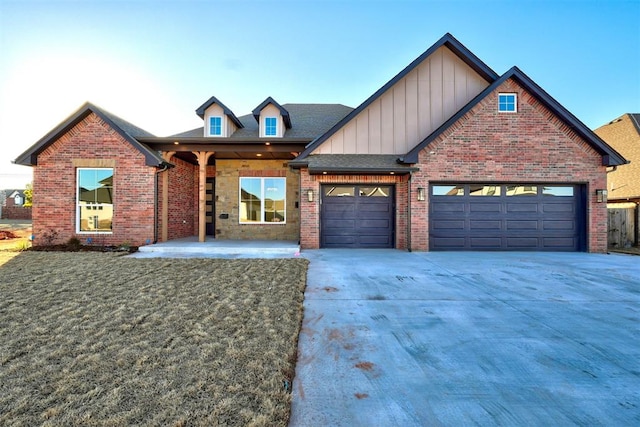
<point>409,212</point>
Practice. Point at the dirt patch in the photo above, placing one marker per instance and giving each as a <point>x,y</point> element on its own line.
<point>14,235</point>
<point>361,396</point>
<point>365,366</point>
<point>6,235</point>
<point>101,339</point>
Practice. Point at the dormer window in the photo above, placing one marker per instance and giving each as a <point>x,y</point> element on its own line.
<point>215,126</point>
<point>270,126</point>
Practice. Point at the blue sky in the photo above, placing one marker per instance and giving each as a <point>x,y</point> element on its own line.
<point>153,62</point>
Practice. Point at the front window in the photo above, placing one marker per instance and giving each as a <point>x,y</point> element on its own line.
<point>263,200</point>
<point>215,126</point>
<point>95,200</point>
<point>507,103</point>
<point>270,126</point>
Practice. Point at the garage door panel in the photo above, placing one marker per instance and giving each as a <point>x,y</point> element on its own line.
<point>485,207</point>
<point>484,224</point>
<point>522,225</point>
<point>485,243</point>
<point>448,207</point>
<point>448,225</point>
<point>522,242</point>
<point>559,225</point>
<point>374,240</point>
<point>506,220</point>
<point>339,223</point>
<point>513,207</point>
<point>375,224</point>
<point>339,240</point>
<point>558,208</point>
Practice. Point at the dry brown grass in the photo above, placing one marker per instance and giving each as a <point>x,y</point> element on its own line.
<point>100,339</point>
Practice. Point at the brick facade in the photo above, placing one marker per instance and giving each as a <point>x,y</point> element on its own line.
<point>93,143</point>
<point>11,211</point>
<point>531,145</point>
<point>183,199</point>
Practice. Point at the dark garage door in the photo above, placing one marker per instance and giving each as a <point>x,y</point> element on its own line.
<point>504,217</point>
<point>357,216</point>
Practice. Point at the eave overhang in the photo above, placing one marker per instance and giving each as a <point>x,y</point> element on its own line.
<point>447,40</point>
<point>610,157</point>
<point>227,111</point>
<point>30,156</point>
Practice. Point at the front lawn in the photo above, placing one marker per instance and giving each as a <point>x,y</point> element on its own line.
<point>102,339</point>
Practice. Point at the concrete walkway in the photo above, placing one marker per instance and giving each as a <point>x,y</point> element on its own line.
<point>189,247</point>
<point>392,338</point>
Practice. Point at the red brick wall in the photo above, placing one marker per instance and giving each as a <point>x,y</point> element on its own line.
<point>92,143</point>
<point>531,145</point>
<point>310,211</point>
<point>183,199</point>
<point>15,212</point>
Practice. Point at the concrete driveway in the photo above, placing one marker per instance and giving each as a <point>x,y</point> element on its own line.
<point>392,338</point>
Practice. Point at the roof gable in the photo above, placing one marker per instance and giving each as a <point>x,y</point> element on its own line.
<point>127,130</point>
<point>610,157</point>
<point>213,100</point>
<point>448,41</point>
<point>283,112</point>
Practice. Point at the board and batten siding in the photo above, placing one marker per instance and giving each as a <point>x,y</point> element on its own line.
<point>410,110</point>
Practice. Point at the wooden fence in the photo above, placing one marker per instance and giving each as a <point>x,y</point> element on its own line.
<point>623,227</point>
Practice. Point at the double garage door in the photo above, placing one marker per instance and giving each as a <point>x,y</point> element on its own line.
<point>357,216</point>
<point>504,217</point>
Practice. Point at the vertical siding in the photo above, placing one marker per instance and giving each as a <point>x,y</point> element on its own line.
<point>410,110</point>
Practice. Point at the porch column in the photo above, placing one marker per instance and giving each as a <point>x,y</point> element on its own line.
<point>203,158</point>
<point>166,156</point>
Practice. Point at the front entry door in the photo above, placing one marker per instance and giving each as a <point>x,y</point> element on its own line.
<point>210,197</point>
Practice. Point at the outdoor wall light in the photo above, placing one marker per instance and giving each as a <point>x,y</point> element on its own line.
<point>601,196</point>
<point>421,194</point>
<point>310,195</point>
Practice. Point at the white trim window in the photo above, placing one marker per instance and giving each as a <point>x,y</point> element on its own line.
<point>270,126</point>
<point>94,195</point>
<point>507,102</point>
<point>263,200</point>
<point>215,126</point>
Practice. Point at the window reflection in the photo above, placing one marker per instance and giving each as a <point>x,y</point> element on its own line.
<point>566,191</point>
<point>262,200</point>
<point>95,200</point>
<point>340,191</point>
<point>447,190</point>
<point>522,190</point>
<point>484,190</point>
<point>374,191</point>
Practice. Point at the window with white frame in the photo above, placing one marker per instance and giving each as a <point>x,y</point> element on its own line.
<point>270,126</point>
<point>263,200</point>
<point>507,103</point>
<point>94,208</point>
<point>215,126</point>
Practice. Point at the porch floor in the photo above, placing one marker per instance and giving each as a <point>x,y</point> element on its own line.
<point>189,247</point>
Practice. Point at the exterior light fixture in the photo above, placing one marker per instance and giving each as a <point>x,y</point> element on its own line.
<point>258,155</point>
<point>601,196</point>
<point>310,195</point>
<point>421,194</point>
<point>176,143</point>
<point>267,143</point>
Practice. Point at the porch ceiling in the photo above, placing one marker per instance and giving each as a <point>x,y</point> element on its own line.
<point>286,149</point>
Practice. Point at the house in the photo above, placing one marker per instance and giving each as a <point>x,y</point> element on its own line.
<point>623,134</point>
<point>12,205</point>
<point>447,155</point>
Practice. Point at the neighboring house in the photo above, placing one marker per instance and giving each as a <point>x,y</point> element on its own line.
<point>623,134</point>
<point>12,205</point>
<point>448,155</point>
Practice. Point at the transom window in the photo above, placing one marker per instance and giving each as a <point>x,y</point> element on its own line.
<point>94,210</point>
<point>270,126</point>
<point>263,200</point>
<point>215,126</point>
<point>507,103</point>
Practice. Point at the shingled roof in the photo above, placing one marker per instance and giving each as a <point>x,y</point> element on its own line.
<point>127,130</point>
<point>307,122</point>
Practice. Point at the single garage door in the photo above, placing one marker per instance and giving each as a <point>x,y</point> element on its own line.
<point>505,217</point>
<point>357,216</point>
